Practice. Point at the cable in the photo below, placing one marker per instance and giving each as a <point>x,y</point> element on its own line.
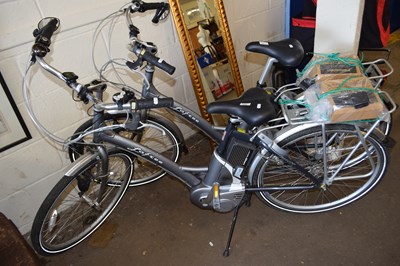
<point>31,113</point>
<point>84,134</point>
<point>111,61</point>
<point>42,130</point>
<point>111,20</point>
<point>110,31</point>
<point>100,26</point>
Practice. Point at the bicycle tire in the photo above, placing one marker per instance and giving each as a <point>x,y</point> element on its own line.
<point>302,149</point>
<point>67,217</point>
<point>158,135</point>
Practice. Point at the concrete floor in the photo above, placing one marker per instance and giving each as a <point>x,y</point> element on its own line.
<point>157,225</point>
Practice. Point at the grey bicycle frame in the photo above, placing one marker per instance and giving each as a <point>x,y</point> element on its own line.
<point>193,118</point>
<point>154,157</point>
<point>189,115</point>
<point>184,174</point>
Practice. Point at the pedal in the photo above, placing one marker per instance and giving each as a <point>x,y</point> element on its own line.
<point>216,200</point>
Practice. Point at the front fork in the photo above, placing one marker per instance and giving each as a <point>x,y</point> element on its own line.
<point>102,174</point>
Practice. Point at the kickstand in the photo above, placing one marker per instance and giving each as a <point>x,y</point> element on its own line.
<point>245,200</point>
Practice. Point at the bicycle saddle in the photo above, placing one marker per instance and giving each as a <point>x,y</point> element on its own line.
<point>289,52</point>
<point>255,107</point>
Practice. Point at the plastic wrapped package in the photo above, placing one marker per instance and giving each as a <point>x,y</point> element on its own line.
<point>350,99</point>
<point>333,66</point>
<point>371,107</point>
<point>320,109</point>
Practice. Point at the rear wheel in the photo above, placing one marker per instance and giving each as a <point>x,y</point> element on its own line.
<point>359,174</point>
<point>75,207</point>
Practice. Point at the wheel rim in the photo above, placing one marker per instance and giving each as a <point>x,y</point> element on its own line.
<point>71,219</point>
<point>339,193</point>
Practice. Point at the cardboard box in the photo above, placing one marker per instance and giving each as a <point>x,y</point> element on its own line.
<point>323,68</point>
<point>350,113</point>
<point>351,105</point>
<point>348,82</point>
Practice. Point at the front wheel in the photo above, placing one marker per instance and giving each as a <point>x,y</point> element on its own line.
<point>155,134</point>
<point>80,203</point>
<point>359,174</point>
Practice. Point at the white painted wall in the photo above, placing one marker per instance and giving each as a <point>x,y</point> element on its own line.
<point>255,20</point>
<point>338,26</point>
<point>30,170</point>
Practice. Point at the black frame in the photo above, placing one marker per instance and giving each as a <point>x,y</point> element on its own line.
<point>21,127</point>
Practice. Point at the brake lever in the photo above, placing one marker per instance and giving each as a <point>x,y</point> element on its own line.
<point>134,65</point>
<point>160,14</point>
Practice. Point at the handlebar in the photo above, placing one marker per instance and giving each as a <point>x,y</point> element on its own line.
<point>144,55</point>
<point>161,8</point>
<point>137,104</point>
<point>85,94</point>
<point>47,31</point>
<point>143,50</point>
<point>43,35</point>
<point>160,63</point>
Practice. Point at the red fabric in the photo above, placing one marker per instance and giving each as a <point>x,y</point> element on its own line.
<point>384,33</point>
<point>304,23</point>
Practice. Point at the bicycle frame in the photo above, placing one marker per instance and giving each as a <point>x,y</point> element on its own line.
<point>171,167</point>
<point>240,155</point>
<point>200,187</point>
<point>192,117</point>
<point>185,174</point>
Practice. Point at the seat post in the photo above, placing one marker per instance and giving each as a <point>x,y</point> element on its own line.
<point>267,71</point>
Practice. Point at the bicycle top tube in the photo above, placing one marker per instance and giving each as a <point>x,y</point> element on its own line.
<point>197,121</point>
<point>149,91</point>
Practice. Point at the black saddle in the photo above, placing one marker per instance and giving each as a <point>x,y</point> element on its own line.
<point>256,107</point>
<point>288,52</point>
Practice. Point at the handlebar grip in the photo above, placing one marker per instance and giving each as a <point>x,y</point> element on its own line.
<point>49,29</point>
<point>160,13</point>
<point>150,6</point>
<point>44,33</point>
<point>43,36</point>
<point>142,7</point>
<point>152,103</point>
<point>160,63</point>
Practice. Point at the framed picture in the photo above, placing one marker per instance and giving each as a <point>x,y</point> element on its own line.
<point>13,130</point>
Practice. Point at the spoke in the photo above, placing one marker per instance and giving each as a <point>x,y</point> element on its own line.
<point>355,174</point>
<point>66,223</point>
